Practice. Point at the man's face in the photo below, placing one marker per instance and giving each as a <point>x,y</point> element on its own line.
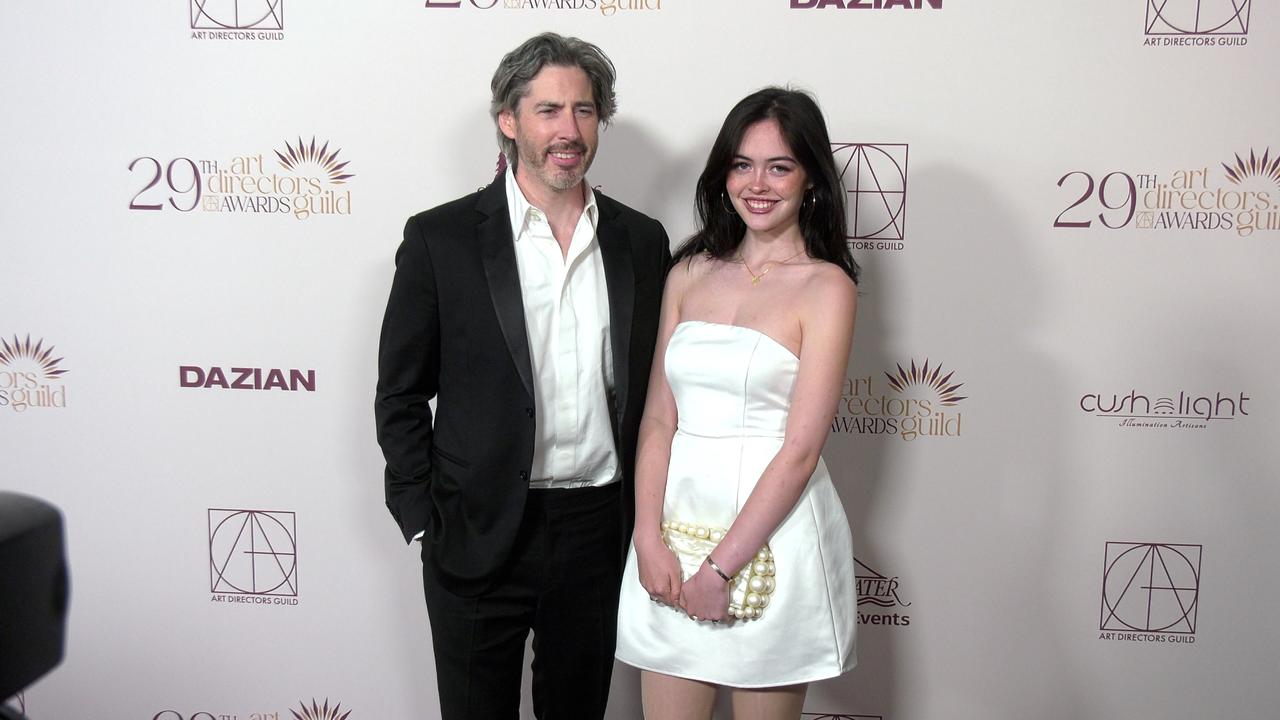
<point>555,128</point>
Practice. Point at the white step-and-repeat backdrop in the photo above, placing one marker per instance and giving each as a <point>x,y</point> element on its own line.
<point>1057,443</point>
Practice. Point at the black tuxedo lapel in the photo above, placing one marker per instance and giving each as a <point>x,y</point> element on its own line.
<point>498,253</point>
<point>619,276</point>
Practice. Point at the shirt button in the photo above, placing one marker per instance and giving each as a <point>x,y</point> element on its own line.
<point>524,475</point>
<point>529,412</point>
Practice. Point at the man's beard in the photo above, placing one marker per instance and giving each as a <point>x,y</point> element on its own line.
<point>548,172</point>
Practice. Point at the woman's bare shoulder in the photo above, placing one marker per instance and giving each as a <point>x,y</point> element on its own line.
<point>690,269</point>
<point>828,287</point>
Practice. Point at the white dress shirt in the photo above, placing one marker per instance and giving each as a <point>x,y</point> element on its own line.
<point>566,312</point>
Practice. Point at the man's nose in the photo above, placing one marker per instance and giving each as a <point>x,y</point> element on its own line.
<point>568,127</point>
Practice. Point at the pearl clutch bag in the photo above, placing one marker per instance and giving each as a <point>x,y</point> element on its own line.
<point>752,586</point>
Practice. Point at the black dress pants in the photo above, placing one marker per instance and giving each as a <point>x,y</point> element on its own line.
<point>561,582</point>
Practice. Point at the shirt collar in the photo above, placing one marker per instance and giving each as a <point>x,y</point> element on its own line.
<point>522,212</point>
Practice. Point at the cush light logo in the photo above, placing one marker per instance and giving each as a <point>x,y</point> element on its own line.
<point>253,557</point>
<point>880,591</point>
<point>308,179</point>
<point>237,19</point>
<point>1237,197</point>
<point>1197,22</point>
<point>30,376</point>
<point>913,402</point>
<point>1183,411</point>
<point>1150,592</point>
<point>607,8</point>
<point>875,179</point>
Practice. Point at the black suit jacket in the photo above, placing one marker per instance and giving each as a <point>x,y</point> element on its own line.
<point>454,331</point>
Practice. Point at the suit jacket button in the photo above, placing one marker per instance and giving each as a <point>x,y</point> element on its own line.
<point>524,475</point>
<point>529,412</point>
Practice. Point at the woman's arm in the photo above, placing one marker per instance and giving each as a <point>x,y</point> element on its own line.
<point>826,315</point>
<point>659,569</point>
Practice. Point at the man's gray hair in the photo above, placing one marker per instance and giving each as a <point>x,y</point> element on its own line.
<point>511,80</point>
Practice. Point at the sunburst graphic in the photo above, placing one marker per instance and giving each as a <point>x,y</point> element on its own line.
<point>295,157</point>
<point>1264,167</point>
<point>932,378</point>
<point>42,356</point>
<point>319,712</point>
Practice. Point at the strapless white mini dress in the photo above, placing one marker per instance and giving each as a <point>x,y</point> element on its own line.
<point>732,387</point>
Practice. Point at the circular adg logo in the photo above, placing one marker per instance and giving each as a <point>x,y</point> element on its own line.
<point>1151,587</point>
<point>237,14</point>
<point>253,552</point>
<point>875,178</point>
<point>1198,17</point>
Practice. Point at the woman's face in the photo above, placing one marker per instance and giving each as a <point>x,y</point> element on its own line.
<point>766,183</point>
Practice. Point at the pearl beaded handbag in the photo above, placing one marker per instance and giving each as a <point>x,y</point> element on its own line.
<point>749,589</point>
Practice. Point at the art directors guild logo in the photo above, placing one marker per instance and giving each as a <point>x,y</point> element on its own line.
<point>302,179</point>
<point>1206,23</point>
<point>879,594</point>
<point>1241,198</point>
<point>1185,410</point>
<point>1150,592</point>
<point>30,375</point>
<point>875,179</point>
<point>608,8</point>
<point>253,557</point>
<point>914,402</point>
<point>319,712</point>
<point>314,711</point>
<point>237,19</point>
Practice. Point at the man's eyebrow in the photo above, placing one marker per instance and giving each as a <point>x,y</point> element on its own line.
<point>549,104</point>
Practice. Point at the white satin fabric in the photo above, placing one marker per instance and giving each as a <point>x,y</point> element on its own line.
<point>732,387</point>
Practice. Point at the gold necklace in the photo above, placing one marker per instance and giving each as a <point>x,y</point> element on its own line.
<point>755,279</point>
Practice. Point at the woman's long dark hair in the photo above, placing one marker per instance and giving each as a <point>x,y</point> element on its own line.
<point>822,223</point>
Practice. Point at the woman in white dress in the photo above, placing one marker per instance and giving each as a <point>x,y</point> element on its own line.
<point>757,322</point>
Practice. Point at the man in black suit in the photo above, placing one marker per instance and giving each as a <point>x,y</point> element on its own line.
<point>528,311</point>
